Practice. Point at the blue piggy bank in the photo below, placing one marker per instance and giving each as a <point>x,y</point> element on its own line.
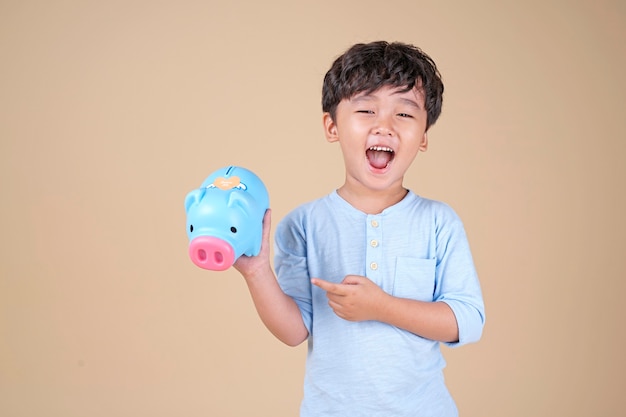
<point>225,218</point>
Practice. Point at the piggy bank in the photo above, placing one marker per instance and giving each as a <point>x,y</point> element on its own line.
<point>225,218</point>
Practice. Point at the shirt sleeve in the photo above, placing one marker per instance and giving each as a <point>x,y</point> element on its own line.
<point>290,264</point>
<point>456,280</point>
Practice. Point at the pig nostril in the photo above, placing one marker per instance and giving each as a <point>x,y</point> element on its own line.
<point>219,258</point>
<point>202,255</point>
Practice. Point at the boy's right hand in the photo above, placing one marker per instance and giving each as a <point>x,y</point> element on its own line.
<point>251,266</point>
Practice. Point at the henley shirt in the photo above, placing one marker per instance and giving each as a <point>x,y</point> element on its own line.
<point>415,249</point>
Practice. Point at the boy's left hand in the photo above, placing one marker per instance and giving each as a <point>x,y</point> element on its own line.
<point>356,298</point>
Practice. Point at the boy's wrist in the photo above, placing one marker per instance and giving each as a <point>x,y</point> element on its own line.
<point>257,274</point>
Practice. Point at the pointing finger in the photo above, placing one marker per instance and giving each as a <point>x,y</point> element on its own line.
<point>326,286</point>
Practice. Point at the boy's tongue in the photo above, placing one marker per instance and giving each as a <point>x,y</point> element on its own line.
<point>378,159</point>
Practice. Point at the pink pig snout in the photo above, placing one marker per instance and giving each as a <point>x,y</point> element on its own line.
<point>212,253</point>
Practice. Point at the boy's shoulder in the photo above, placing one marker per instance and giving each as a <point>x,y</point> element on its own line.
<point>432,204</point>
<point>442,217</point>
<point>439,209</point>
<point>312,206</point>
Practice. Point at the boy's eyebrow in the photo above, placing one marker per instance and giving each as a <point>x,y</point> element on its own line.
<point>411,103</point>
<point>368,97</point>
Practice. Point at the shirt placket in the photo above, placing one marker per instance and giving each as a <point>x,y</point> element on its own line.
<point>373,254</point>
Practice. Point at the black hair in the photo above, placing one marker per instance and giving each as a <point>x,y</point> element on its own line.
<point>366,67</point>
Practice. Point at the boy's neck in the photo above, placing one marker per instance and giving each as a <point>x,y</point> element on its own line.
<point>369,201</point>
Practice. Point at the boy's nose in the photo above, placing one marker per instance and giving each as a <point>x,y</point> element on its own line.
<point>383,130</point>
<point>383,126</point>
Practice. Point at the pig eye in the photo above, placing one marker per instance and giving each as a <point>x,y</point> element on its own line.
<point>191,228</point>
<point>233,229</point>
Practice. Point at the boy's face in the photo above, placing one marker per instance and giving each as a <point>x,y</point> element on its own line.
<point>380,135</point>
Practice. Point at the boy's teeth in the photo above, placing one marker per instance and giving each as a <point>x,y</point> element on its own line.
<point>381,148</point>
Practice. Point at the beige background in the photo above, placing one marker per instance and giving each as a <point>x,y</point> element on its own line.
<point>111,111</point>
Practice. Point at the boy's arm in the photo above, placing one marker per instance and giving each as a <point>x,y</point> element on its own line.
<point>277,310</point>
<point>358,299</point>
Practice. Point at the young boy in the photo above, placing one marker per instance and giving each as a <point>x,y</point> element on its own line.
<point>372,275</point>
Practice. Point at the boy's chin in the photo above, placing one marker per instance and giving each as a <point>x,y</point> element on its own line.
<point>382,181</point>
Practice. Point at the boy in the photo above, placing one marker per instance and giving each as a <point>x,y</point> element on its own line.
<point>372,275</point>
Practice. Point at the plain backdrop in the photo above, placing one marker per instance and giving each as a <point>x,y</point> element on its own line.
<point>111,111</point>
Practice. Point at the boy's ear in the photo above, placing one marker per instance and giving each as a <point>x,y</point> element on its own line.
<point>330,128</point>
<point>424,145</point>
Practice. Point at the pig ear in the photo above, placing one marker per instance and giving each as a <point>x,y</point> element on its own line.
<point>193,197</point>
<point>239,200</point>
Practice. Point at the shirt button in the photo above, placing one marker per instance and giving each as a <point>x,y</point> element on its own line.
<point>374,223</point>
<point>374,266</point>
<point>374,243</point>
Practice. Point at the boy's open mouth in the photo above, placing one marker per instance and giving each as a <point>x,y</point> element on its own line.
<point>379,156</point>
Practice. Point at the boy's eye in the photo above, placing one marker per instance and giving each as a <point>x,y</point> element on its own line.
<point>365,111</point>
<point>404,115</point>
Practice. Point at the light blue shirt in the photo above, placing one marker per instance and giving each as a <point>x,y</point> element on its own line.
<point>415,249</point>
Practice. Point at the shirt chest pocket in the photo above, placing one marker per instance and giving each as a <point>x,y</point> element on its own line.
<point>414,278</point>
